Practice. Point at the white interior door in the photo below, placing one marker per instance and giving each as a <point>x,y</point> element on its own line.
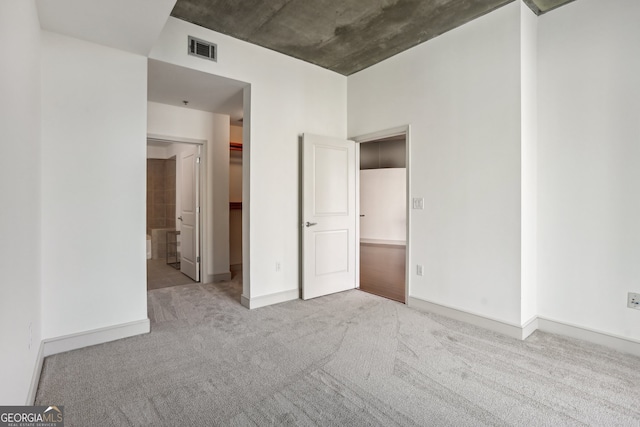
<point>328,215</point>
<point>189,215</point>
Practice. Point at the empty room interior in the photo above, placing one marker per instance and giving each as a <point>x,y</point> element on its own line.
<point>372,212</point>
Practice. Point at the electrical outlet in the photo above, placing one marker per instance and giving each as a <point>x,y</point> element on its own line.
<point>277,266</point>
<point>633,300</point>
<point>418,203</point>
<point>419,270</point>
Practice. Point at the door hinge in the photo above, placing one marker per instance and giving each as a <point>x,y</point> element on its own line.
<point>198,209</point>
<point>197,259</point>
<point>197,159</point>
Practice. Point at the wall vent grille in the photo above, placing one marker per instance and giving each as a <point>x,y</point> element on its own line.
<point>203,49</point>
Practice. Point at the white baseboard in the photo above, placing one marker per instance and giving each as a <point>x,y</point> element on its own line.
<point>463,316</point>
<point>623,344</point>
<point>35,378</point>
<point>530,327</point>
<point>265,300</point>
<point>222,277</point>
<point>384,242</point>
<point>95,336</point>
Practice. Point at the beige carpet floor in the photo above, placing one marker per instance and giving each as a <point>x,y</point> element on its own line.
<point>348,359</point>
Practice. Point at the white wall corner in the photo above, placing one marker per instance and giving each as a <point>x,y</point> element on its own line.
<point>265,300</point>
<point>529,327</point>
<point>35,378</point>
<point>529,163</point>
<point>245,301</point>
<point>96,336</point>
<point>588,229</point>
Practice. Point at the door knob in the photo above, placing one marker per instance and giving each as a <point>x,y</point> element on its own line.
<point>310,224</point>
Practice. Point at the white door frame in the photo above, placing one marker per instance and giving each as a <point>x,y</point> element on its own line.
<point>203,188</point>
<point>387,133</point>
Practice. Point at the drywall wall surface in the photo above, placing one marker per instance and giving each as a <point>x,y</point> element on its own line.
<point>588,174</point>
<point>460,92</point>
<point>93,186</point>
<point>179,122</point>
<point>287,98</point>
<point>157,152</point>
<point>529,162</point>
<point>383,195</point>
<point>20,154</point>
<point>235,133</point>
<point>219,176</point>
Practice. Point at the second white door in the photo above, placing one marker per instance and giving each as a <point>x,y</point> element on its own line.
<point>189,214</point>
<point>329,215</point>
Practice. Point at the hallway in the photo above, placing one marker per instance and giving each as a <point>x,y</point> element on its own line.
<point>161,275</point>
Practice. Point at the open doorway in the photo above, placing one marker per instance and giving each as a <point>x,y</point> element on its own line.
<point>187,105</point>
<point>383,211</point>
<point>173,221</point>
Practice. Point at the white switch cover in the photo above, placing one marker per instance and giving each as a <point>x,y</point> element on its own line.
<point>418,203</point>
<point>633,300</point>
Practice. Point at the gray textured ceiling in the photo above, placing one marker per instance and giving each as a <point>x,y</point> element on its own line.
<point>345,36</point>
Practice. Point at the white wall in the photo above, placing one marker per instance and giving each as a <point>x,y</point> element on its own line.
<point>235,133</point>
<point>460,92</point>
<point>219,176</point>
<point>529,162</point>
<point>180,122</point>
<point>93,186</point>
<point>288,97</point>
<point>383,201</point>
<point>589,157</point>
<point>20,155</point>
<point>157,152</point>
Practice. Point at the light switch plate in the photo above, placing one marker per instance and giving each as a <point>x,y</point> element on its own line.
<point>633,300</point>
<point>418,203</point>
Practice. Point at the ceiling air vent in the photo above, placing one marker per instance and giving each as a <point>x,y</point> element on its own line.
<point>203,49</point>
